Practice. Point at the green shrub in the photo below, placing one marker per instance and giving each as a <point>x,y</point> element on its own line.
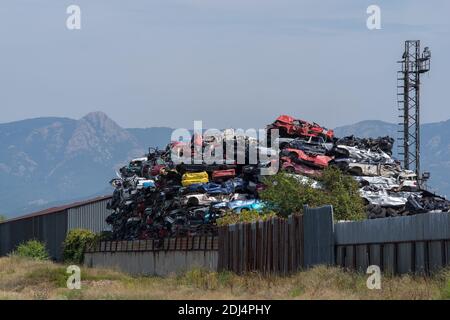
<point>2,218</point>
<point>75,243</point>
<point>245,216</point>
<point>342,192</point>
<point>287,195</point>
<point>32,249</point>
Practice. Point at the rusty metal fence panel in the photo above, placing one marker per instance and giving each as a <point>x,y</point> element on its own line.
<point>271,246</point>
<point>194,243</point>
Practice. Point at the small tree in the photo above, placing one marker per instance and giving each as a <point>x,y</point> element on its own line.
<point>288,195</point>
<point>2,218</point>
<point>75,243</point>
<point>342,192</point>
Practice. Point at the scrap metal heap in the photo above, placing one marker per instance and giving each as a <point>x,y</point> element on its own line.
<point>154,198</point>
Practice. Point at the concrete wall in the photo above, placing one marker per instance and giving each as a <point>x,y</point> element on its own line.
<point>158,263</point>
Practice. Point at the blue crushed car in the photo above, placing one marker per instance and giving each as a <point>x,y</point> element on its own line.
<point>241,205</point>
<point>211,188</point>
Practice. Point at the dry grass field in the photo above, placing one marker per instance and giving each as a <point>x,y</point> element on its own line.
<point>28,279</point>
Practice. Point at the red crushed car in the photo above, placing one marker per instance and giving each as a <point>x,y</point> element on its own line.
<point>291,127</point>
<point>221,175</point>
<point>314,160</point>
<point>298,168</point>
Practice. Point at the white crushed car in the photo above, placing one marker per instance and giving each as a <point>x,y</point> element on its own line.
<point>361,155</point>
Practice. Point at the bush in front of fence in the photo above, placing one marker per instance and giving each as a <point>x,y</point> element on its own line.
<point>244,216</point>
<point>287,194</point>
<point>75,244</point>
<point>32,249</point>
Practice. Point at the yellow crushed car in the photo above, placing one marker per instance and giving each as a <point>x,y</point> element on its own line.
<point>194,177</point>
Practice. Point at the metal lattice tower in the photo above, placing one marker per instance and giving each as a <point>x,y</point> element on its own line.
<point>413,64</point>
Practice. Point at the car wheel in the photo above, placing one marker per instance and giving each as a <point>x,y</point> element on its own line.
<point>192,202</point>
<point>357,171</point>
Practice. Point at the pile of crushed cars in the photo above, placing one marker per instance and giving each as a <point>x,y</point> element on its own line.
<point>154,198</point>
<point>387,188</point>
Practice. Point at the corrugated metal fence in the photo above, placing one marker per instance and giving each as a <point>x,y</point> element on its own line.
<point>279,246</point>
<point>318,233</point>
<point>413,244</point>
<point>272,246</point>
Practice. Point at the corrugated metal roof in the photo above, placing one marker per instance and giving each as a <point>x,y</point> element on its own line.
<point>60,208</point>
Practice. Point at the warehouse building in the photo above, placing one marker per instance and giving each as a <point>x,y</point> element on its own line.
<point>52,225</point>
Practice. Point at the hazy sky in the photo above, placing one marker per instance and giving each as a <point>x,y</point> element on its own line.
<point>230,63</point>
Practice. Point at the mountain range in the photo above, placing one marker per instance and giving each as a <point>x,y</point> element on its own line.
<point>50,161</point>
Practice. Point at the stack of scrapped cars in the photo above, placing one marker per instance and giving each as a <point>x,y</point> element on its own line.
<point>155,198</point>
<point>387,188</point>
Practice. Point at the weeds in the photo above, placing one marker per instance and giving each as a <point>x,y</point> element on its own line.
<point>46,274</point>
<point>30,279</point>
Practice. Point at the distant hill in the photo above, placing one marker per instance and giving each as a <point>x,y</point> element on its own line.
<point>435,147</point>
<point>50,160</point>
